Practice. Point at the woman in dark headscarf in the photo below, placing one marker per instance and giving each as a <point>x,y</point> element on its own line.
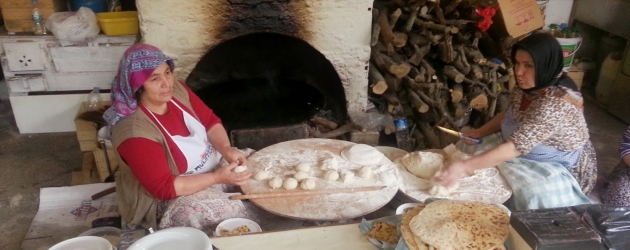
<point>543,149</point>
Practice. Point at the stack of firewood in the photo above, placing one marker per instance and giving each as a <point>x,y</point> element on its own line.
<point>425,59</point>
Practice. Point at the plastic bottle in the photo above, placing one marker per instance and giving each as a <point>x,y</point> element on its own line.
<point>38,20</point>
<point>402,133</point>
<point>94,99</point>
<point>554,29</point>
<point>575,33</point>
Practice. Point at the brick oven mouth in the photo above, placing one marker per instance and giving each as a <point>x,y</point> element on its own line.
<point>268,80</point>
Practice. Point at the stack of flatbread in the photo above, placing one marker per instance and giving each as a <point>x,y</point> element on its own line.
<point>446,225</point>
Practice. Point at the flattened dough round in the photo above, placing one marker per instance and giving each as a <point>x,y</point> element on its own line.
<point>331,175</point>
<point>261,175</point>
<point>362,154</point>
<point>423,164</point>
<point>461,224</point>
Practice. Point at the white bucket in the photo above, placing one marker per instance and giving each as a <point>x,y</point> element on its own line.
<point>569,47</point>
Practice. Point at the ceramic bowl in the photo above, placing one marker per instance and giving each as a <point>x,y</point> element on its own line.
<point>232,224</point>
<point>173,238</point>
<point>83,242</point>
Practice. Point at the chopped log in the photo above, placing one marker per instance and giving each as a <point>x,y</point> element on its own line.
<point>419,53</point>
<point>410,83</point>
<point>450,7</point>
<point>420,143</point>
<point>457,93</point>
<point>419,39</point>
<point>446,49</point>
<point>378,84</point>
<point>324,122</point>
<point>348,127</point>
<point>439,13</point>
<point>453,74</point>
<point>477,73</point>
<point>387,35</point>
<point>390,96</point>
<point>420,106</point>
<point>392,82</point>
<point>376,29</point>
<point>429,69</point>
<point>475,56</point>
<point>428,100</point>
<point>416,75</point>
<point>461,63</point>
<point>385,63</point>
<point>391,108</point>
<point>433,26</point>
<point>430,137</point>
<point>459,110</point>
<point>389,129</point>
<point>393,18</point>
<point>400,39</point>
<point>424,10</point>
<point>415,8</point>
<point>478,100</point>
<point>459,23</point>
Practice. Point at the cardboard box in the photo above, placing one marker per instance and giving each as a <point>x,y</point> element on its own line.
<point>17,13</point>
<point>86,130</point>
<point>516,18</point>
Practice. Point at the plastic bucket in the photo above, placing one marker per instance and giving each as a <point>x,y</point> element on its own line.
<point>569,47</point>
<point>97,6</point>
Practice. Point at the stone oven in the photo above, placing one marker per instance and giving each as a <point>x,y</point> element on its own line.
<point>266,63</point>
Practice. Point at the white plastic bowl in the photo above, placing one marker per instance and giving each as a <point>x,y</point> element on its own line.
<point>111,234</point>
<point>232,224</point>
<point>173,238</point>
<point>105,135</point>
<point>83,242</point>
<point>404,207</point>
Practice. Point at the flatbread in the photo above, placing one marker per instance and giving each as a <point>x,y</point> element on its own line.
<point>450,225</point>
<point>362,154</point>
<point>413,242</point>
<point>384,232</point>
<point>423,164</point>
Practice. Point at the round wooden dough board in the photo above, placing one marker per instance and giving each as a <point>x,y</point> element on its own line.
<point>486,185</point>
<point>280,160</point>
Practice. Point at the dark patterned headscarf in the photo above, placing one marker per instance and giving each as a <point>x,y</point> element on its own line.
<point>136,65</point>
<point>548,61</point>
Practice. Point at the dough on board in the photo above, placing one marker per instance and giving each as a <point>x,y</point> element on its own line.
<point>261,175</point>
<point>329,164</point>
<point>365,172</point>
<point>239,169</point>
<point>307,184</point>
<point>331,175</point>
<point>423,164</point>
<point>276,182</point>
<point>362,154</point>
<point>300,176</point>
<point>290,183</point>
<point>347,176</point>
<point>303,167</point>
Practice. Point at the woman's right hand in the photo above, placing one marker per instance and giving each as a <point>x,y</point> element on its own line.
<point>473,133</point>
<point>226,175</point>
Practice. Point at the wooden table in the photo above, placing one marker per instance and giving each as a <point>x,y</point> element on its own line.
<point>280,161</point>
<point>345,237</point>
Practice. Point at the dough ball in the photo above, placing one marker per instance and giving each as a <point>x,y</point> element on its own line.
<point>365,172</point>
<point>331,175</point>
<point>276,182</point>
<point>362,154</point>
<point>303,167</point>
<point>307,184</point>
<point>329,164</point>
<point>423,164</point>
<point>290,183</point>
<point>239,169</point>
<point>389,178</point>
<point>347,176</point>
<point>300,176</point>
<point>261,175</point>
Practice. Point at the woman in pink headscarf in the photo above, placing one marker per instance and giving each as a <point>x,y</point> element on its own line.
<point>169,145</point>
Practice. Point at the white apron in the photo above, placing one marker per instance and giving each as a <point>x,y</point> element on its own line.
<point>201,157</point>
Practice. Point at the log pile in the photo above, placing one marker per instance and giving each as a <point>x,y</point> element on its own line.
<point>425,59</point>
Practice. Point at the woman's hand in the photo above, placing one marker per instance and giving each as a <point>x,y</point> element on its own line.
<point>451,174</point>
<point>473,133</point>
<point>226,175</point>
<point>233,155</point>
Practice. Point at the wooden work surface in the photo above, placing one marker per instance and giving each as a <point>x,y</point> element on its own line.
<point>280,160</point>
<point>345,236</point>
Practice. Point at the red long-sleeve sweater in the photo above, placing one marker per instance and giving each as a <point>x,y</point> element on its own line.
<point>147,159</point>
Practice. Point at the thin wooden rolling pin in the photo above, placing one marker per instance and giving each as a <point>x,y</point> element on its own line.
<point>305,192</point>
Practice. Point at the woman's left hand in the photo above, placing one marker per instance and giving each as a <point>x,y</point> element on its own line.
<point>232,155</point>
<point>451,174</point>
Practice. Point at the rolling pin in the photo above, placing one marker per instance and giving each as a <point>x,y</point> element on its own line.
<point>304,193</point>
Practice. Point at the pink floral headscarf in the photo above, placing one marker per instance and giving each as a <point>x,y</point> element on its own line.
<point>136,65</point>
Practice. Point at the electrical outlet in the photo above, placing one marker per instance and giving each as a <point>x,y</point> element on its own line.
<point>25,56</point>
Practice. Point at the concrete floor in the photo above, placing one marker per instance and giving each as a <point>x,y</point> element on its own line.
<point>33,161</point>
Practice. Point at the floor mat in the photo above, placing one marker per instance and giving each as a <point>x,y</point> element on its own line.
<point>66,212</point>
